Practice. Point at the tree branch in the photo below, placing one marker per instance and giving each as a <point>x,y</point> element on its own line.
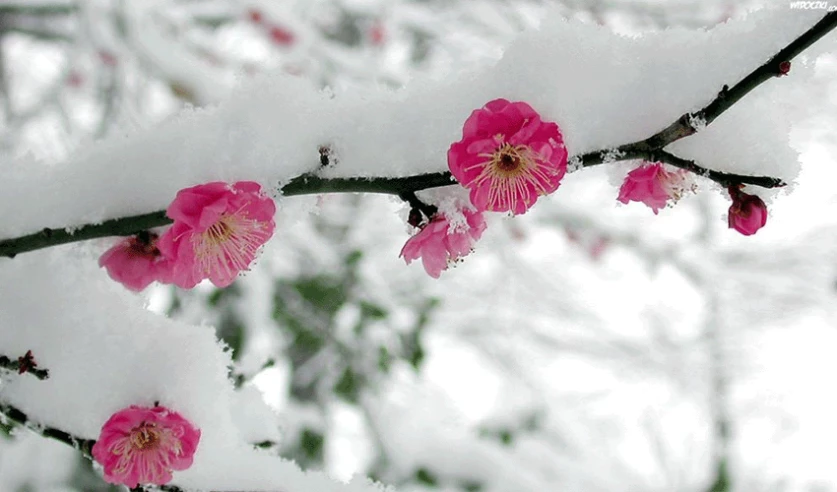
<point>84,446</point>
<point>649,149</point>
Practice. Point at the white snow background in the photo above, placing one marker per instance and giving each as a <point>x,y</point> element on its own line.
<point>105,351</point>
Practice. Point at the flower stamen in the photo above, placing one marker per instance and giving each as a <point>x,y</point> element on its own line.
<point>508,157</point>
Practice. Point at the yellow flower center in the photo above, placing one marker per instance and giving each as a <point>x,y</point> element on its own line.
<point>146,436</point>
<point>230,244</point>
<point>512,161</point>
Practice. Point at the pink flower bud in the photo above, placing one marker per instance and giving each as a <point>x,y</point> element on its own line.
<point>747,214</point>
<point>281,36</point>
<point>377,34</point>
<point>784,68</point>
<point>255,16</point>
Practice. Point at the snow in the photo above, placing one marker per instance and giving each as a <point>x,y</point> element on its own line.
<point>31,461</point>
<point>603,89</point>
<point>106,352</point>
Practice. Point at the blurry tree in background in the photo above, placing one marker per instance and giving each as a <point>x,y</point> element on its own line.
<point>581,350</point>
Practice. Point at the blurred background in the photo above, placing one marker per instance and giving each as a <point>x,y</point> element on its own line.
<point>585,346</point>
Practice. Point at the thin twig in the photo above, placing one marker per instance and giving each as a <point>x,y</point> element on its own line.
<point>24,364</point>
<point>726,98</point>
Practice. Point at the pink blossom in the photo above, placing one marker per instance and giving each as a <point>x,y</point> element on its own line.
<point>217,231</point>
<point>508,157</point>
<point>653,185</point>
<point>281,36</point>
<point>441,242</point>
<point>141,445</point>
<point>135,262</point>
<point>747,214</point>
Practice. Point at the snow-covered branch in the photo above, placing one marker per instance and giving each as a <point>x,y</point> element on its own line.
<point>24,363</point>
<point>14,414</point>
<point>651,149</point>
<point>690,123</point>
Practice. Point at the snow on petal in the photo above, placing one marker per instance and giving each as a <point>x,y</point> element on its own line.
<point>441,242</point>
<point>654,185</point>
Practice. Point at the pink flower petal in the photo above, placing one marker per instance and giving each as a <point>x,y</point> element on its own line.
<point>141,445</point>
<point>652,185</point>
<point>217,232</point>
<point>136,261</point>
<point>747,214</point>
<point>508,157</point>
<point>438,244</point>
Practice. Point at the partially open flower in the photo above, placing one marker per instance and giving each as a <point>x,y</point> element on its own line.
<point>747,214</point>
<point>508,157</point>
<point>654,186</point>
<point>141,445</point>
<point>441,242</point>
<point>136,261</point>
<point>217,231</point>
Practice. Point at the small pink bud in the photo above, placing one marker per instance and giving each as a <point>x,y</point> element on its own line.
<point>281,36</point>
<point>255,16</point>
<point>108,58</point>
<point>598,247</point>
<point>747,214</point>
<point>784,68</point>
<point>377,34</point>
<point>75,79</point>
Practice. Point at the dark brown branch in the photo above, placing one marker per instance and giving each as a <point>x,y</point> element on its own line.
<point>726,98</point>
<point>648,149</point>
<point>724,179</point>
<point>47,237</point>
